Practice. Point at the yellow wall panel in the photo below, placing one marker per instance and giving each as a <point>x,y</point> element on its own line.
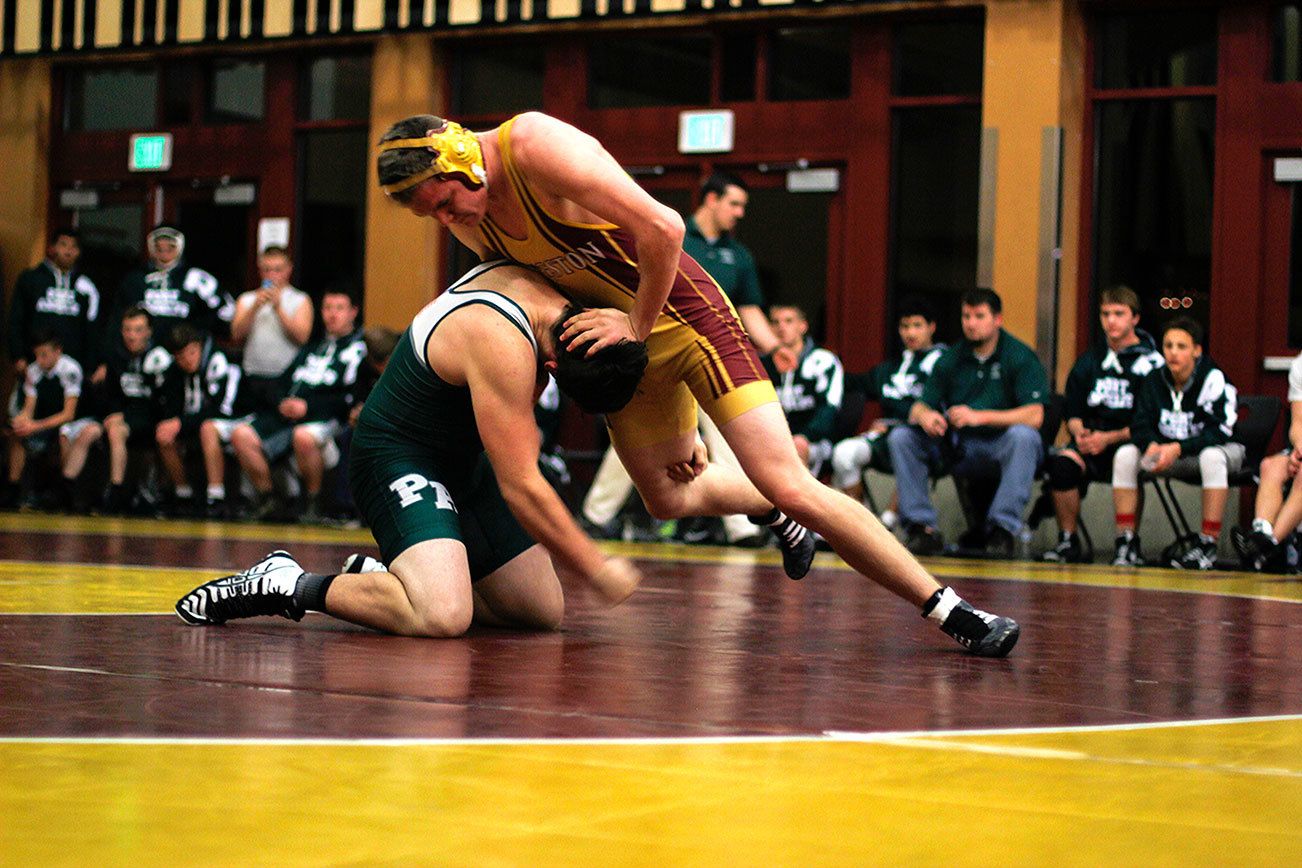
<point>189,20</point>
<point>278,19</point>
<point>1024,52</point>
<point>368,15</point>
<point>27,27</point>
<point>563,8</point>
<point>24,162</point>
<point>108,23</point>
<point>463,12</point>
<point>668,5</point>
<point>404,254</point>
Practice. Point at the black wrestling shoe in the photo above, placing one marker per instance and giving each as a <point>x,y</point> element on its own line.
<point>981,633</point>
<point>795,541</point>
<point>266,588</point>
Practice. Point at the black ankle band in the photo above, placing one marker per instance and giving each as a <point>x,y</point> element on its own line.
<point>931,602</point>
<point>768,519</point>
<point>310,593</point>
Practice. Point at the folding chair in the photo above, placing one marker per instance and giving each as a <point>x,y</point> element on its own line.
<point>1258,416</point>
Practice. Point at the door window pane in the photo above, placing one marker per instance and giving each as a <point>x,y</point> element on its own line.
<point>1153,226</point>
<point>331,242</point>
<point>338,88</point>
<point>790,273</point>
<point>939,58</point>
<point>111,98</point>
<point>1288,44</point>
<point>738,78</point>
<point>636,72</point>
<point>236,91</point>
<point>178,94</point>
<point>112,240</point>
<point>498,79</point>
<point>935,183</point>
<point>810,63</point>
<point>1156,49</point>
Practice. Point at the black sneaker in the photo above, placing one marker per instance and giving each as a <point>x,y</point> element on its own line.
<point>263,508</point>
<point>1199,555</point>
<point>983,634</point>
<point>116,500</point>
<point>1258,551</point>
<point>796,543</point>
<point>214,508</point>
<point>1067,551</point>
<point>1127,552</point>
<point>924,541</point>
<point>266,588</point>
<point>999,543</point>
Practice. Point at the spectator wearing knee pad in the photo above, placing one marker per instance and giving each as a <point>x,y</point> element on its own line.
<point>1184,416</point>
<point>1100,403</point>
<point>980,412</point>
<point>896,384</point>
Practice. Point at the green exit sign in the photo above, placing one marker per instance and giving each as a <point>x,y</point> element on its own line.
<point>705,132</point>
<point>150,152</point>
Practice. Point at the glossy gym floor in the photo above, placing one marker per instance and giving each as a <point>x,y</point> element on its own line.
<point>723,716</point>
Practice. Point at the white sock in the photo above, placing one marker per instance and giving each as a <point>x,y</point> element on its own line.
<point>948,600</point>
<point>184,492</point>
<point>1260,525</point>
<point>216,492</point>
<point>890,518</point>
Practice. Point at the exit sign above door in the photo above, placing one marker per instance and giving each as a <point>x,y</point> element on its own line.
<point>150,152</point>
<point>705,132</point>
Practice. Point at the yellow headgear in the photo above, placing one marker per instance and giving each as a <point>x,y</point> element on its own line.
<point>456,152</point>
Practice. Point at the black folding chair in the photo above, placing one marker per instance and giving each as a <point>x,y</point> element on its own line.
<point>1258,416</point>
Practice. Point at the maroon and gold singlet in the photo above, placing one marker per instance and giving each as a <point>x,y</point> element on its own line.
<point>697,344</point>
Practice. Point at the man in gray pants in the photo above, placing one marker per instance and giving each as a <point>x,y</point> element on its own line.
<point>980,413</point>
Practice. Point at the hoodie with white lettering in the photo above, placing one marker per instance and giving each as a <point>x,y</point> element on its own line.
<point>64,302</point>
<point>1201,414</point>
<point>1103,384</point>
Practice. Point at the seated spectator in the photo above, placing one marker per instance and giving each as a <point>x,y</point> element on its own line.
<point>896,384</point>
<point>380,344</point>
<point>319,390</point>
<point>810,388</point>
<point>1100,401</point>
<point>271,324</point>
<point>134,369</point>
<point>198,388</point>
<point>1275,517</point>
<point>1184,416</point>
<point>980,413</point>
<point>51,389</point>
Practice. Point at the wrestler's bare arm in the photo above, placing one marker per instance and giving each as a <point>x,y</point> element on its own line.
<point>569,164</point>
<point>499,368</point>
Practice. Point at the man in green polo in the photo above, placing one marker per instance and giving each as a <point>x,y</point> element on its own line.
<point>980,411</point>
<point>709,240</point>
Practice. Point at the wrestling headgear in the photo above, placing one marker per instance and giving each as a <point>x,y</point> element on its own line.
<point>175,235</point>
<point>456,152</point>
